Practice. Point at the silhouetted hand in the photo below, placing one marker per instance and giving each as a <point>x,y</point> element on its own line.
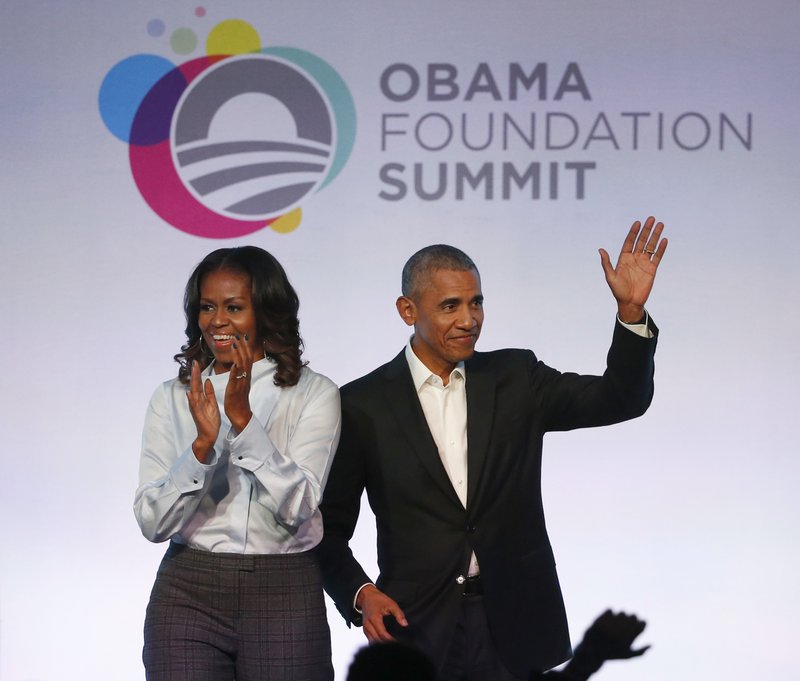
<point>610,637</point>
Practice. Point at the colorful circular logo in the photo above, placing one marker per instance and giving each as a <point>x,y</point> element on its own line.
<point>226,144</point>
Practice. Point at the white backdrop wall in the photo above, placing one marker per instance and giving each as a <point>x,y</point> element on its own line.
<point>686,516</point>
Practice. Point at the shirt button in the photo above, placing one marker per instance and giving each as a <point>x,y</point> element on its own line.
<point>460,579</point>
<point>471,529</point>
<point>240,458</point>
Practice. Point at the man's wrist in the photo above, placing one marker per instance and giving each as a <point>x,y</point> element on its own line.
<point>356,599</point>
<point>631,314</point>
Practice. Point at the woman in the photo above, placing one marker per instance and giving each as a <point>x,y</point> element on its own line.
<point>235,454</point>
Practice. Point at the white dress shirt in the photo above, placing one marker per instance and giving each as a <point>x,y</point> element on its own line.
<point>260,491</point>
<point>445,410</point>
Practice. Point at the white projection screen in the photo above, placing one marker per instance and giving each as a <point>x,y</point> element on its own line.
<point>528,133</point>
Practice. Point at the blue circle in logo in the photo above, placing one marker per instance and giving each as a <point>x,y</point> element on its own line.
<point>124,89</point>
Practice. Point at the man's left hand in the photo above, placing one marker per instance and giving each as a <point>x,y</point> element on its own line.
<point>632,279</point>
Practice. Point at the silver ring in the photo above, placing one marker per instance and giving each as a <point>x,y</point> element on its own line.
<point>242,375</point>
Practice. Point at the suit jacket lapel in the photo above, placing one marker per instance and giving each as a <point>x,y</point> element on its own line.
<point>481,386</point>
<point>403,403</point>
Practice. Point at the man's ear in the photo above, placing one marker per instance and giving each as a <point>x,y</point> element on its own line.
<point>407,310</point>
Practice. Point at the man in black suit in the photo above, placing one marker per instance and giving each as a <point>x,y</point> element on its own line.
<point>448,443</point>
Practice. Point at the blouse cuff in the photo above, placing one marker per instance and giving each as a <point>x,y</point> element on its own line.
<point>251,448</point>
<point>188,474</point>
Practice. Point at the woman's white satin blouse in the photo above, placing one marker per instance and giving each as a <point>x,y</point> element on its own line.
<point>261,490</point>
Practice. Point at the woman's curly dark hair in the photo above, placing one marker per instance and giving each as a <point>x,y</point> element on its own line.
<point>275,303</point>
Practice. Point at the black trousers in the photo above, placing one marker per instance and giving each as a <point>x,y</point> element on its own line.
<point>226,617</point>
<point>472,655</point>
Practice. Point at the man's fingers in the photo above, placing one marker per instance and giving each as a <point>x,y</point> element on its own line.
<point>398,614</point>
<point>375,625</point>
<point>652,241</point>
<point>630,240</point>
<point>644,235</point>
<point>662,247</point>
<point>605,262</point>
<point>376,632</point>
<point>376,606</point>
<point>390,608</point>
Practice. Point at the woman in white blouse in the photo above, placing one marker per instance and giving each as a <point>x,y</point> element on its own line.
<point>235,454</point>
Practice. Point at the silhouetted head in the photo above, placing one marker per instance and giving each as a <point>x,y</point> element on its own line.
<point>391,661</point>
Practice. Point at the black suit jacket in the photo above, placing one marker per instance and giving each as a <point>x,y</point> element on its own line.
<point>425,535</point>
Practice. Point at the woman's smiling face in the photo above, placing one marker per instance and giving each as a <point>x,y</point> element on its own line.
<point>226,310</point>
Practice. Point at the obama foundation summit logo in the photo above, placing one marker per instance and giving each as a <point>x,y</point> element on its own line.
<point>225,144</point>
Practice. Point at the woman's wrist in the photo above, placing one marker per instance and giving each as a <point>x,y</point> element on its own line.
<point>202,450</point>
<point>239,423</point>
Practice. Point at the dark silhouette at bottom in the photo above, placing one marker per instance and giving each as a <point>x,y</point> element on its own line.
<point>610,637</point>
<point>391,661</point>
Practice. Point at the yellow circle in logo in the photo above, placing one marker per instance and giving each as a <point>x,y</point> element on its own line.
<point>232,36</point>
<point>288,222</point>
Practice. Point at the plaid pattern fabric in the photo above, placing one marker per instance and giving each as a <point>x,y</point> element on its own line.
<point>220,617</point>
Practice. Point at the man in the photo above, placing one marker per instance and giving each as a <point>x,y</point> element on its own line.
<point>448,442</point>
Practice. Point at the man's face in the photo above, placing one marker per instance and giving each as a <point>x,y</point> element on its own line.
<point>447,314</point>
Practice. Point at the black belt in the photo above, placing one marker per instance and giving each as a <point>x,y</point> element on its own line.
<point>473,586</point>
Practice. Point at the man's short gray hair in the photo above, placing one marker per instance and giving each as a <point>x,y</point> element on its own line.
<point>426,260</point>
